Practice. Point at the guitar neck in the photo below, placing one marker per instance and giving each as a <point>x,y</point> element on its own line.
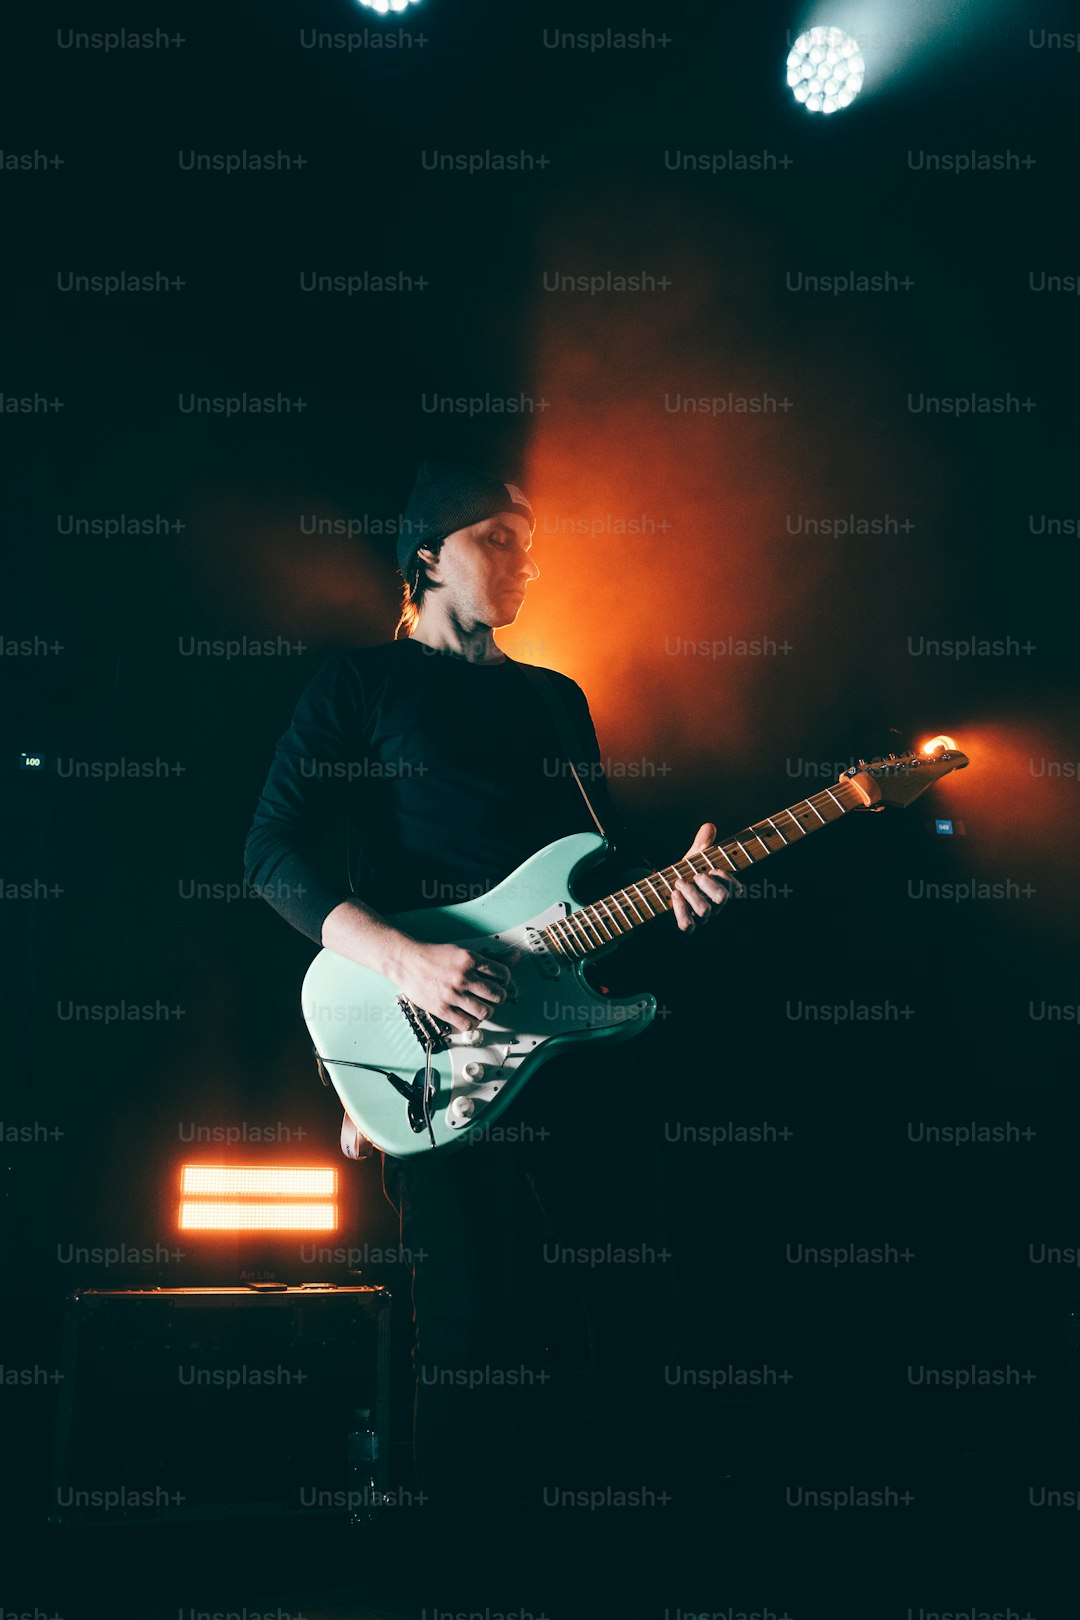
<point>593,926</point>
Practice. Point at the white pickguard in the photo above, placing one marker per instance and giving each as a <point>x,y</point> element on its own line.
<point>549,1000</point>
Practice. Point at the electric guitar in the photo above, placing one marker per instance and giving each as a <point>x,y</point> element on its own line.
<point>410,1083</point>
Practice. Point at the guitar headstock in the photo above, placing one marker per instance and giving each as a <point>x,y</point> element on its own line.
<point>899,778</point>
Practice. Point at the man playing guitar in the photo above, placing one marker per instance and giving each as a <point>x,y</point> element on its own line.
<point>430,763</point>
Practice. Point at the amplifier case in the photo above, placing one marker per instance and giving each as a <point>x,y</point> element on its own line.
<point>214,1403</point>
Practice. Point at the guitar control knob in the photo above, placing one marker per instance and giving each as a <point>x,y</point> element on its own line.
<point>461,1110</point>
<point>474,1070</point>
<point>471,1037</point>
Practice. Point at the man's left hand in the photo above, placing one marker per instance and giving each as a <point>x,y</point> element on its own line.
<point>695,899</point>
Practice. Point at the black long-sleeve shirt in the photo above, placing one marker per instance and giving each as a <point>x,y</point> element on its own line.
<point>411,777</point>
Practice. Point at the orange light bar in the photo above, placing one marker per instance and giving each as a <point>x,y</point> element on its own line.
<point>935,743</point>
<point>204,1215</point>
<point>258,1180</point>
<point>258,1198</point>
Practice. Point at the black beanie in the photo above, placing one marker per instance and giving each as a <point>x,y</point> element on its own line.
<point>447,497</point>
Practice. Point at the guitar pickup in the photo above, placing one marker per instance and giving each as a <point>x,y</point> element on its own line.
<point>543,960</point>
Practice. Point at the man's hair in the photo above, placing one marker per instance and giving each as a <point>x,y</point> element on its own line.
<point>417,583</point>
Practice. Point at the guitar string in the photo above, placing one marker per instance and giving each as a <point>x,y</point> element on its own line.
<point>621,908</point>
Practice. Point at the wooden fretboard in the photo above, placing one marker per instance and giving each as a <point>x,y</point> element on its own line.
<point>592,926</point>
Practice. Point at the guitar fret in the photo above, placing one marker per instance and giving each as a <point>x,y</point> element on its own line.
<point>659,896</point>
<point>621,909</point>
<point>632,890</point>
<point>835,800</point>
<point>618,931</point>
<point>709,867</point>
<point>665,899</point>
<point>750,859</point>
<point>811,806</point>
<point>776,830</point>
<point>646,899</point>
<point>624,909</point>
<point>585,920</point>
<point>716,870</point>
<point>590,919</point>
<point>632,907</point>
<point>604,918</point>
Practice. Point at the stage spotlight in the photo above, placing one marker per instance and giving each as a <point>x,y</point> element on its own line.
<point>825,69</point>
<point>383,7</point>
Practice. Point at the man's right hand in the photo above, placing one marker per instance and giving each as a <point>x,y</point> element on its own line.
<point>459,986</point>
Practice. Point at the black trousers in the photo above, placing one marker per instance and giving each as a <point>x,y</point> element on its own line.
<point>557,1183</point>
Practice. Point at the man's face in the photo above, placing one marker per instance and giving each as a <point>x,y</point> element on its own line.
<point>484,570</point>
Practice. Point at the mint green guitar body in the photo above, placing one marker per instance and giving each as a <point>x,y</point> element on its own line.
<point>355,1017</point>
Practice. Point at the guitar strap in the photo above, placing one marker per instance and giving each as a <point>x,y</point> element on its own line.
<point>564,727</point>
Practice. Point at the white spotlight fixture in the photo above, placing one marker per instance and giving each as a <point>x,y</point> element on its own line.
<point>825,69</point>
<point>384,7</point>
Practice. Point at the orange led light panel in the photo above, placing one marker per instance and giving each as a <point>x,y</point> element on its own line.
<point>204,1215</point>
<point>258,1180</point>
<point>257,1198</point>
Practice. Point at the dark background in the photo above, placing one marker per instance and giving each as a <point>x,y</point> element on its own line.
<point>739,737</point>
